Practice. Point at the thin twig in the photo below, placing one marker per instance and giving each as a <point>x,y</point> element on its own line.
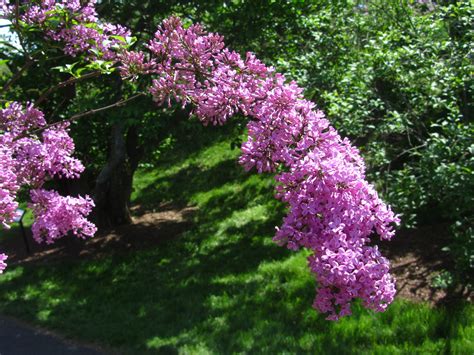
<point>29,59</point>
<point>65,83</point>
<point>406,151</point>
<point>97,110</point>
<point>17,28</point>
<point>29,62</point>
<point>81,115</point>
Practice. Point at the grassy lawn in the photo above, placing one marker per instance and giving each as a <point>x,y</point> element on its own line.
<point>223,286</point>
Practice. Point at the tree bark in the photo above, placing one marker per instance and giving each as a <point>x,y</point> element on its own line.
<point>113,186</point>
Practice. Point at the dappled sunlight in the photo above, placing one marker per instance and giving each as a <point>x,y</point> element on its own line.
<point>222,286</point>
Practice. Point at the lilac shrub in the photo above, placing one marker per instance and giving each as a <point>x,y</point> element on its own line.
<point>31,152</point>
<point>332,210</point>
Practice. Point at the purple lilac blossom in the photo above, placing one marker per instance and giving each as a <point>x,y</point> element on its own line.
<point>56,216</point>
<point>30,160</point>
<point>333,210</point>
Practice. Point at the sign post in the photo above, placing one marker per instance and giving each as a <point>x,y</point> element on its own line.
<point>19,214</point>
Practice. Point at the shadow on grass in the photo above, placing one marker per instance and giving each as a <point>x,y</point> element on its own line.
<point>188,181</point>
<point>233,297</point>
<point>221,287</point>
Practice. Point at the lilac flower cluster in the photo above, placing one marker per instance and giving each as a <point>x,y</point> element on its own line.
<point>29,160</point>
<point>333,210</point>
<point>3,265</point>
<point>56,216</point>
<point>134,64</point>
<point>74,23</point>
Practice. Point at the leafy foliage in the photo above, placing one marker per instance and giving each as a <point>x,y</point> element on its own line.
<point>397,79</point>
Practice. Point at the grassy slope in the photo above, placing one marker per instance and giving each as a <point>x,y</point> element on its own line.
<point>223,286</point>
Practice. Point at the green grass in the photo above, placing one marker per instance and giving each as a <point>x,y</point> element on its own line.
<point>223,286</point>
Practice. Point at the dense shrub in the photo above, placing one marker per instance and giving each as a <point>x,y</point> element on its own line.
<point>398,80</point>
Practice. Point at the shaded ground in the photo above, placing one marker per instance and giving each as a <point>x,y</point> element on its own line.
<point>149,228</point>
<point>169,284</point>
<point>417,257</point>
<point>415,262</point>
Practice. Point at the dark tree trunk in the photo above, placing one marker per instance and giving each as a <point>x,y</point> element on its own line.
<point>113,186</point>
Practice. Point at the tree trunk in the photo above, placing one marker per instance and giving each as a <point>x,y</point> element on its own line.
<point>113,186</point>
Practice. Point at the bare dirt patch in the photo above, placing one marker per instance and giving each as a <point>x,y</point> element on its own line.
<point>149,229</point>
<point>416,258</point>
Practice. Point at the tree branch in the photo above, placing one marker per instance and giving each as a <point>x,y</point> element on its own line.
<point>97,110</point>
<point>25,67</point>
<point>65,83</point>
<point>81,115</point>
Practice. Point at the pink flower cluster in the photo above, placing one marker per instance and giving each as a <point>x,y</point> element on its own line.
<point>72,22</point>
<point>40,11</point>
<point>29,160</point>
<point>333,210</point>
<point>134,64</point>
<point>56,216</point>
<point>36,160</point>
<point>3,265</point>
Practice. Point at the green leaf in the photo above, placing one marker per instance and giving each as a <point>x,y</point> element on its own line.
<point>120,38</point>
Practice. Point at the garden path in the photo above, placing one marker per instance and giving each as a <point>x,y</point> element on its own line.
<point>18,339</point>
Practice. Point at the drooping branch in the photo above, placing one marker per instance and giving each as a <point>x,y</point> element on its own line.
<point>332,209</point>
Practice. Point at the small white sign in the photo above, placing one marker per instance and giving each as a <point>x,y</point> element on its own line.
<point>18,215</point>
